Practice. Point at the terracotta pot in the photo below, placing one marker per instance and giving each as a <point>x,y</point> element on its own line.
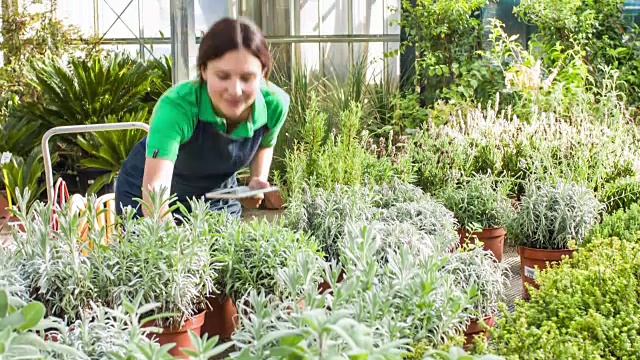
<point>474,328</point>
<point>530,258</point>
<point>4,205</point>
<point>492,239</point>
<point>324,286</point>
<point>220,319</point>
<point>7,223</point>
<point>273,200</point>
<point>180,337</point>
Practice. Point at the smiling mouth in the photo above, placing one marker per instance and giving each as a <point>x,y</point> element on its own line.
<point>234,103</point>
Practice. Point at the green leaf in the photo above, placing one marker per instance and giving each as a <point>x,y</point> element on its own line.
<point>4,303</point>
<point>32,314</point>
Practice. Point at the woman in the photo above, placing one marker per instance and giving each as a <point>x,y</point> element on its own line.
<point>204,131</point>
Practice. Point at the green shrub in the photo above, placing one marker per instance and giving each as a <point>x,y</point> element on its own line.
<point>479,202</point>
<point>620,194</point>
<point>586,308</point>
<point>622,224</point>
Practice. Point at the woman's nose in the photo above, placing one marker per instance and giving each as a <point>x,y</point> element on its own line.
<point>235,88</point>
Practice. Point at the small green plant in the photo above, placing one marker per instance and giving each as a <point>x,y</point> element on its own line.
<point>23,173</point>
<point>324,214</point>
<point>551,215</point>
<point>480,202</point>
<point>18,326</point>
<point>58,275</point>
<point>622,224</point>
<point>620,194</point>
<point>252,253</point>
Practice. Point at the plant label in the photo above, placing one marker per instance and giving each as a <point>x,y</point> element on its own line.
<point>529,272</point>
<point>6,157</point>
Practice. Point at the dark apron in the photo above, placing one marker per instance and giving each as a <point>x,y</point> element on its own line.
<point>207,162</point>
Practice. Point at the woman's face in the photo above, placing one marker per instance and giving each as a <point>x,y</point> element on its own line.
<point>233,81</point>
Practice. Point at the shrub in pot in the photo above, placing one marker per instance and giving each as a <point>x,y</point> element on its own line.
<point>162,263</point>
<point>476,270</point>
<point>121,333</point>
<point>551,220</point>
<point>482,207</point>
<point>251,255</point>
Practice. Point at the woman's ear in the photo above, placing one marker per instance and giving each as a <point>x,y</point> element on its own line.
<point>203,73</point>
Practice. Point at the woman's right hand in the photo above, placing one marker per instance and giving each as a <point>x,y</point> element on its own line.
<point>255,201</point>
<point>157,176</point>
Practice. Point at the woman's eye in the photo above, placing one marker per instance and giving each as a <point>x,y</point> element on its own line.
<point>222,76</point>
<point>247,78</point>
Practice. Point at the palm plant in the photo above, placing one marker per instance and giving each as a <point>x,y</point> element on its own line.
<point>22,173</point>
<point>88,91</point>
<point>108,149</point>
<point>161,81</point>
<point>84,91</point>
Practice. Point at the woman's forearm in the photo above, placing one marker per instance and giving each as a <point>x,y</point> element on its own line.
<point>261,164</point>
<point>157,179</point>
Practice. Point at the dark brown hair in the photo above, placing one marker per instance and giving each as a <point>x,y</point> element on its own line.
<point>230,34</point>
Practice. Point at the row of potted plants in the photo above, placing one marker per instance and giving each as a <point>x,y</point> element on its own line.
<point>406,218</point>
<point>178,268</point>
<point>548,222</point>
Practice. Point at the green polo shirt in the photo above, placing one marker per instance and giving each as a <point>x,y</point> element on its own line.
<point>176,113</point>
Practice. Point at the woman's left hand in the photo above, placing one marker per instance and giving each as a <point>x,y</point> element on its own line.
<point>255,201</point>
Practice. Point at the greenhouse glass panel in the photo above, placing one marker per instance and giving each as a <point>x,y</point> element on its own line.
<point>393,63</point>
<point>78,14</point>
<point>276,17</point>
<point>336,59</point>
<point>110,26</point>
<point>372,57</point>
<point>369,17</point>
<point>391,15</point>
<point>310,55</point>
<point>335,17</point>
<point>308,17</point>
<point>133,50</point>
<point>157,51</point>
<point>155,22</point>
<point>208,12</point>
<point>281,54</point>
